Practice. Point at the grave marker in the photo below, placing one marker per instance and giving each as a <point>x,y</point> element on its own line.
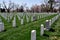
<point>14,22</point>
<point>50,22</point>
<point>47,25</point>
<point>27,18</point>
<point>42,30</point>
<point>33,35</point>
<point>21,21</point>
<point>1,26</point>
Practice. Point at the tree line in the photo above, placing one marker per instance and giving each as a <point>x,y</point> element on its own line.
<point>47,7</point>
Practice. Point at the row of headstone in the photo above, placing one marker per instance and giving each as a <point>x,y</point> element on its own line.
<point>47,27</point>
<point>54,19</point>
<point>22,21</point>
<point>4,15</point>
<point>48,24</point>
<point>33,17</point>
<point>2,24</point>
<point>14,21</point>
<point>34,14</point>
<point>7,16</point>
<point>11,14</point>
<point>41,16</point>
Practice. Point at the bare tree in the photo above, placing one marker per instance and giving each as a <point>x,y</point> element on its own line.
<point>51,2</point>
<point>10,6</point>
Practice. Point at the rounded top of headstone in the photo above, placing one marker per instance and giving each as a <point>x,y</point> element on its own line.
<point>47,20</point>
<point>33,30</point>
<point>42,25</point>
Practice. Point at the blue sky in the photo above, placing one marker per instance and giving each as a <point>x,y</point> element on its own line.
<point>29,2</point>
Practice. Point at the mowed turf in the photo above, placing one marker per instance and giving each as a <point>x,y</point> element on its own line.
<point>23,32</point>
<point>55,35</point>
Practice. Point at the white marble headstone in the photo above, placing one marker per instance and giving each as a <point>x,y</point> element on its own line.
<point>50,22</point>
<point>14,22</point>
<point>33,35</point>
<point>47,25</point>
<point>42,30</point>
<point>8,18</point>
<point>38,17</point>
<point>27,18</point>
<point>1,26</point>
<point>21,21</point>
<point>32,18</point>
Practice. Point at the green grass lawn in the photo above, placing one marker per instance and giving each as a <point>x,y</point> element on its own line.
<point>23,32</point>
<point>55,35</point>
